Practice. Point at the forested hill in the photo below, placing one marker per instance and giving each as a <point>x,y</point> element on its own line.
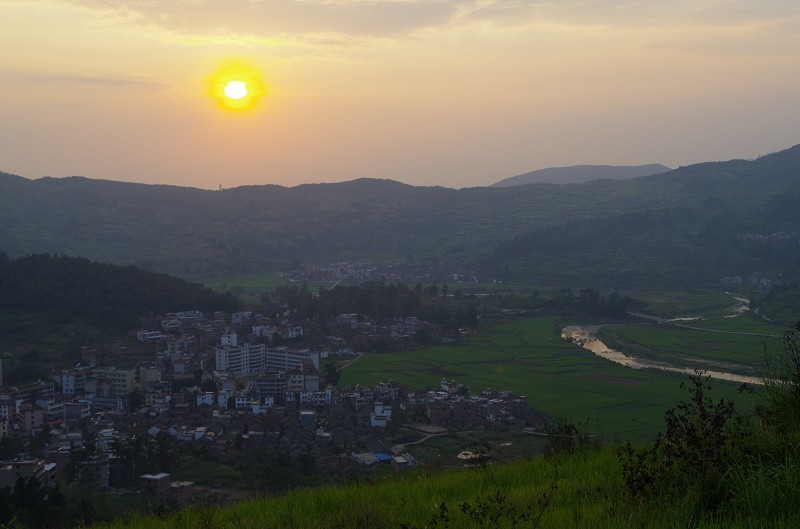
<point>201,234</point>
<point>76,289</point>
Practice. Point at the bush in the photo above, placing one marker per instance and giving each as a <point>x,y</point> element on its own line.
<point>780,409</point>
<point>701,442</point>
<point>565,437</point>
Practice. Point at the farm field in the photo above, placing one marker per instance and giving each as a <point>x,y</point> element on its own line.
<point>529,358</point>
<point>255,283</point>
<point>681,303</point>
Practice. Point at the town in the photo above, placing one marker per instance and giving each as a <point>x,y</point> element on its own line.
<point>223,384</point>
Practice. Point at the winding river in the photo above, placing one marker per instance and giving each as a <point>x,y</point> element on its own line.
<point>584,335</point>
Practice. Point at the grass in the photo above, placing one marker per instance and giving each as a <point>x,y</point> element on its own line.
<point>673,303</point>
<point>208,473</point>
<point>259,283</point>
<point>529,358</point>
<point>415,498</point>
<point>583,490</point>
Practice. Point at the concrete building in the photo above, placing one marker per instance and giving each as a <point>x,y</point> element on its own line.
<point>286,359</point>
<point>111,382</point>
<point>11,471</point>
<point>239,360</point>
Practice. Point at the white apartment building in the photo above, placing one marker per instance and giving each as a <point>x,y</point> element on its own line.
<point>240,360</point>
<point>285,359</point>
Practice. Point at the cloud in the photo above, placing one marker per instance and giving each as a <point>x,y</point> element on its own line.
<point>397,16</point>
<point>360,22</point>
<point>278,18</point>
<point>80,79</point>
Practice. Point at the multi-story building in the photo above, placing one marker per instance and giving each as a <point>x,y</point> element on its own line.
<point>285,359</point>
<point>112,383</point>
<point>42,389</point>
<point>73,381</point>
<point>11,471</point>
<point>271,384</point>
<point>30,418</point>
<point>240,360</point>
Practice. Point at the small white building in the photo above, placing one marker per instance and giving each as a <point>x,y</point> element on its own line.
<point>381,417</point>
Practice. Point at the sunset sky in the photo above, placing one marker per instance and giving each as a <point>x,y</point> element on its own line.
<point>456,93</point>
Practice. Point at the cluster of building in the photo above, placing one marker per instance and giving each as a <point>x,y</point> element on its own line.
<point>763,283</point>
<point>408,273</point>
<point>249,393</point>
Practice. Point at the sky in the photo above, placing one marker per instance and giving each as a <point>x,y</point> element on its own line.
<point>454,93</point>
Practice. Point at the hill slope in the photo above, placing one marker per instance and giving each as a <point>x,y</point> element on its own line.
<point>578,174</point>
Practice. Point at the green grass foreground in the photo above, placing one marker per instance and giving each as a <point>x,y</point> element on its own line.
<point>582,490</point>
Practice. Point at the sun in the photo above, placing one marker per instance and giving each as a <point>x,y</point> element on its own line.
<point>236,89</point>
<point>236,86</point>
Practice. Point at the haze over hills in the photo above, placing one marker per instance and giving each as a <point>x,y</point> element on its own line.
<point>578,174</point>
<point>687,226</point>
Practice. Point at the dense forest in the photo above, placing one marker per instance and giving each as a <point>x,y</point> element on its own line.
<point>73,288</point>
<point>51,306</point>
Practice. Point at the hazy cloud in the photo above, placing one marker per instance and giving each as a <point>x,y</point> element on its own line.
<point>277,18</point>
<point>295,22</point>
<point>79,79</point>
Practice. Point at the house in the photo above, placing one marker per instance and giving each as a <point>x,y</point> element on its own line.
<point>30,418</point>
<point>155,484</point>
<point>381,416</point>
<point>12,470</point>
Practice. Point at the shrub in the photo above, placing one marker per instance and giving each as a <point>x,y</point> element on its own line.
<point>565,437</point>
<point>701,441</point>
<point>780,409</point>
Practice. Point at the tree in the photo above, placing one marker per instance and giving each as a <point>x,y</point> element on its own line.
<point>208,385</point>
<point>165,452</point>
<point>135,400</point>
<point>332,375</point>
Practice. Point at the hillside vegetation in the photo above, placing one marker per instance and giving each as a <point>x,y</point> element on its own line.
<point>683,227</point>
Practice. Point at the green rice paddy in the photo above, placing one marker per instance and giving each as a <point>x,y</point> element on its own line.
<point>559,378</point>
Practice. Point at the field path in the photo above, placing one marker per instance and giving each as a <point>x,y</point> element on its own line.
<point>351,362</point>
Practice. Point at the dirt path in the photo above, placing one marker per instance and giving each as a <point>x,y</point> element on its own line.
<point>351,362</point>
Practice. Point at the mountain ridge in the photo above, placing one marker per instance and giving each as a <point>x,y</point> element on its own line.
<point>578,174</point>
<point>197,233</point>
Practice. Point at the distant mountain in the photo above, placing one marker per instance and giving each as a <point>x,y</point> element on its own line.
<point>579,174</point>
<point>691,225</point>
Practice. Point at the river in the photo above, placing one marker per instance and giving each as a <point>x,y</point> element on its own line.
<point>584,335</point>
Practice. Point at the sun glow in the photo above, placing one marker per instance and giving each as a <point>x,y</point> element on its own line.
<point>236,86</point>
